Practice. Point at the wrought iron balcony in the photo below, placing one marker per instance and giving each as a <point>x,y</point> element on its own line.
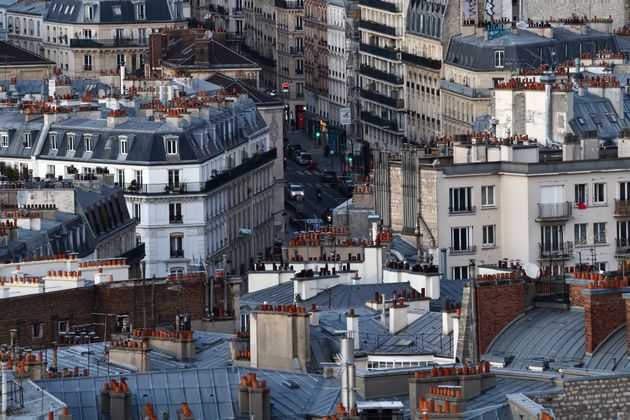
<point>622,208</point>
<point>379,51</point>
<point>290,4</point>
<point>381,75</point>
<point>381,122</point>
<point>555,250</point>
<point>397,103</point>
<point>381,4</point>
<point>622,246</point>
<point>462,210</point>
<point>555,211</point>
<point>176,218</point>
<point>109,43</point>
<point>377,27</point>
<point>461,250</point>
<point>177,253</point>
<point>422,61</point>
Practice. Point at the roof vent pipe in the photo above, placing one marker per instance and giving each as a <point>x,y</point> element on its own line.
<point>548,79</point>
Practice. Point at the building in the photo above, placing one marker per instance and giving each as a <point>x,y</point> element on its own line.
<point>228,20</point>
<point>474,64</point>
<point>89,39</point>
<point>260,20</point>
<point>22,64</point>
<point>4,33</point>
<point>25,25</point>
<point>381,82</point>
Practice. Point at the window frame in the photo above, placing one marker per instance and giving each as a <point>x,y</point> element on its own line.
<point>489,230</point>
<point>599,233</point>
<point>499,59</point>
<point>597,199</point>
<point>577,238</point>
<point>485,196</point>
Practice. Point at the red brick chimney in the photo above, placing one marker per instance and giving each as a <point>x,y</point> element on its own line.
<point>604,312</point>
<point>626,298</point>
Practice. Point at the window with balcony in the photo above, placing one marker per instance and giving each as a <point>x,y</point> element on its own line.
<point>499,56</point>
<point>173,178</point>
<point>580,193</point>
<point>175,213</point>
<point>120,177</point>
<point>461,239</point>
<point>138,177</point>
<point>599,193</point>
<point>623,237</point>
<point>580,236</point>
<point>87,62</point>
<point>487,196</point>
<point>120,60</point>
<point>599,232</point>
<point>489,236</point>
<point>460,200</point>
<point>551,238</point>
<point>177,245</point>
<point>298,23</point>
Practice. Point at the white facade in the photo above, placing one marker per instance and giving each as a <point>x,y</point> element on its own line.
<point>339,49</point>
<point>25,28</point>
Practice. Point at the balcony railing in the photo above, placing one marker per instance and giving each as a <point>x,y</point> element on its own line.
<point>555,250</point>
<point>290,4</point>
<point>381,122</point>
<point>296,50</point>
<point>109,43</point>
<point>257,57</point>
<point>237,11</point>
<point>224,177</point>
<point>422,61</point>
<point>622,246</point>
<point>381,4</point>
<point>462,210</point>
<point>176,218</point>
<point>397,103</point>
<point>622,208</point>
<point>177,253</point>
<point>466,249</point>
<point>381,75</point>
<point>381,52</point>
<point>377,27</point>
<point>555,211</point>
<point>236,36</point>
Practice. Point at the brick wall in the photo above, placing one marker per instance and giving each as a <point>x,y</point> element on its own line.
<point>604,311</point>
<point>627,303</point>
<point>590,398</point>
<point>77,306</point>
<point>575,294</point>
<point>498,304</point>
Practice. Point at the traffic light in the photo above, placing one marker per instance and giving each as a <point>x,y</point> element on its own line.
<point>350,159</point>
<point>317,134</point>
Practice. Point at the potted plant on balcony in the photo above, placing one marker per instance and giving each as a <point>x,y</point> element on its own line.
<point>133,185</point>
<point>168,189</point>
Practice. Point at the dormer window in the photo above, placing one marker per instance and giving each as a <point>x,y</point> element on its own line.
<point>27,140</point>
<point>53,141</point>
<point>89,13</point>
<point>116,10</point>
<point>71,142</point>
<point>4,139</point>
<point>140,11</point>
<point>88,142</point>
<point>124,145</point>
<point>171,145</point>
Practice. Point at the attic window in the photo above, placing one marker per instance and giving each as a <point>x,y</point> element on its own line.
<point>53,141</point>
<point>404,342</point>
<point>581,121</point>
<point>140,11</point>
<point>124,145</point>
<point>88,142</point>
<point>4,139</point>
<point>71,9</point>
<point>171,145</point>
<point>596,119</point>
<point>89,13</point>
<point>27,140</point>
<point>117,10</point>
<point>71,142</point>
<point>612,118</point>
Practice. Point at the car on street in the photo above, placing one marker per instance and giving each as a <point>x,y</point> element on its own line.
<point>328,177</point>
<point>345,185</point>
<point>303,158</point>
<point>295,191</point>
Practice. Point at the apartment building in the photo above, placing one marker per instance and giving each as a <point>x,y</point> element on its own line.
<point>24,22</point>
<point>260,23</point>
<point>475,63</point>
<point>228,19</point>
<point>89,39</point>
<point>499,200</point>
<point>381,81</point>
<point>316,66</point>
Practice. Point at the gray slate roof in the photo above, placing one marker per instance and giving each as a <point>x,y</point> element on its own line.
<point>594,113</point>
<point>105,13</point>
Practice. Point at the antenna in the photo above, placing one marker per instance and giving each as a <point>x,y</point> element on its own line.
<point>531,270</point>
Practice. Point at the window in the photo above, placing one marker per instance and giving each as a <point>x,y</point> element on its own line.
<point>599,233</point>
<point>596,120</point>
<point>88,13</point>
<point>71,145</point>
<point>461,239</point>
<point>120,177</point>
<point>88,142</point>
<point>298,23</point>
<point>53,141</point>
<point>489,233</point>
<point>87,62</point>
<point>177,245</point>
<point>37,330</point>
<point>623,234</point>
<point>116,10</point>
<point>599,193</point>
<point>580,193</point>
<point>173,178</point>
<point>171,145</point>
<point>140,10</point>
<point>460,273</point>
<point>175,212</point>
<point>499,58</point>
<point>137,211</point>
<point>551,238</point>
<point>612,118</point>
<point>50,170</point>
<point>580,237</point>
<point>581,120</point>
<point>124,145</point>
<point>26,141</point>
<point>138,177</point>
<point>4,140</point>
<point>120,60</point>
<point>63,327</point>
<point>487,196</point>
<point>460,200</point>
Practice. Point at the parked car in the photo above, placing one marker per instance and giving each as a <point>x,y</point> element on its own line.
<point>303,158</point>
<point>346,186</point>
<point>295,191</point>
<point>328,177</point>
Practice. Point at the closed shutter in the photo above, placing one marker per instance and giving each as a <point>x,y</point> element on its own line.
<point>552,194</point>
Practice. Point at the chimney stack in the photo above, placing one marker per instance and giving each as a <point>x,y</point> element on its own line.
<point>398,316</point>
<point>254,398</point>
<point>348,378</point>
<point>314,316</point>
<point>352,324</point>
<point>120,400</point>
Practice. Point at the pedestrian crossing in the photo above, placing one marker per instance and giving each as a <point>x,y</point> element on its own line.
<point>305,172</point>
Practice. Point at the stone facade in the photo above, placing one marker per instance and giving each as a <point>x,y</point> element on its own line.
<point>396,198</point>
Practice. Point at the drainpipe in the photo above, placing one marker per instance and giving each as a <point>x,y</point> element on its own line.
<point>548,80</point>
<point>443,263</point>
<point>5,397</point>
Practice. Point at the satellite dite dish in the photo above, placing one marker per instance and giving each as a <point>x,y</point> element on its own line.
<point>101,93</point>
<point>522,25</point>
<point>532,270</point>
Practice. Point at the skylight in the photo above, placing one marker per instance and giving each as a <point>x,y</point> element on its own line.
<point>117,10</point>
